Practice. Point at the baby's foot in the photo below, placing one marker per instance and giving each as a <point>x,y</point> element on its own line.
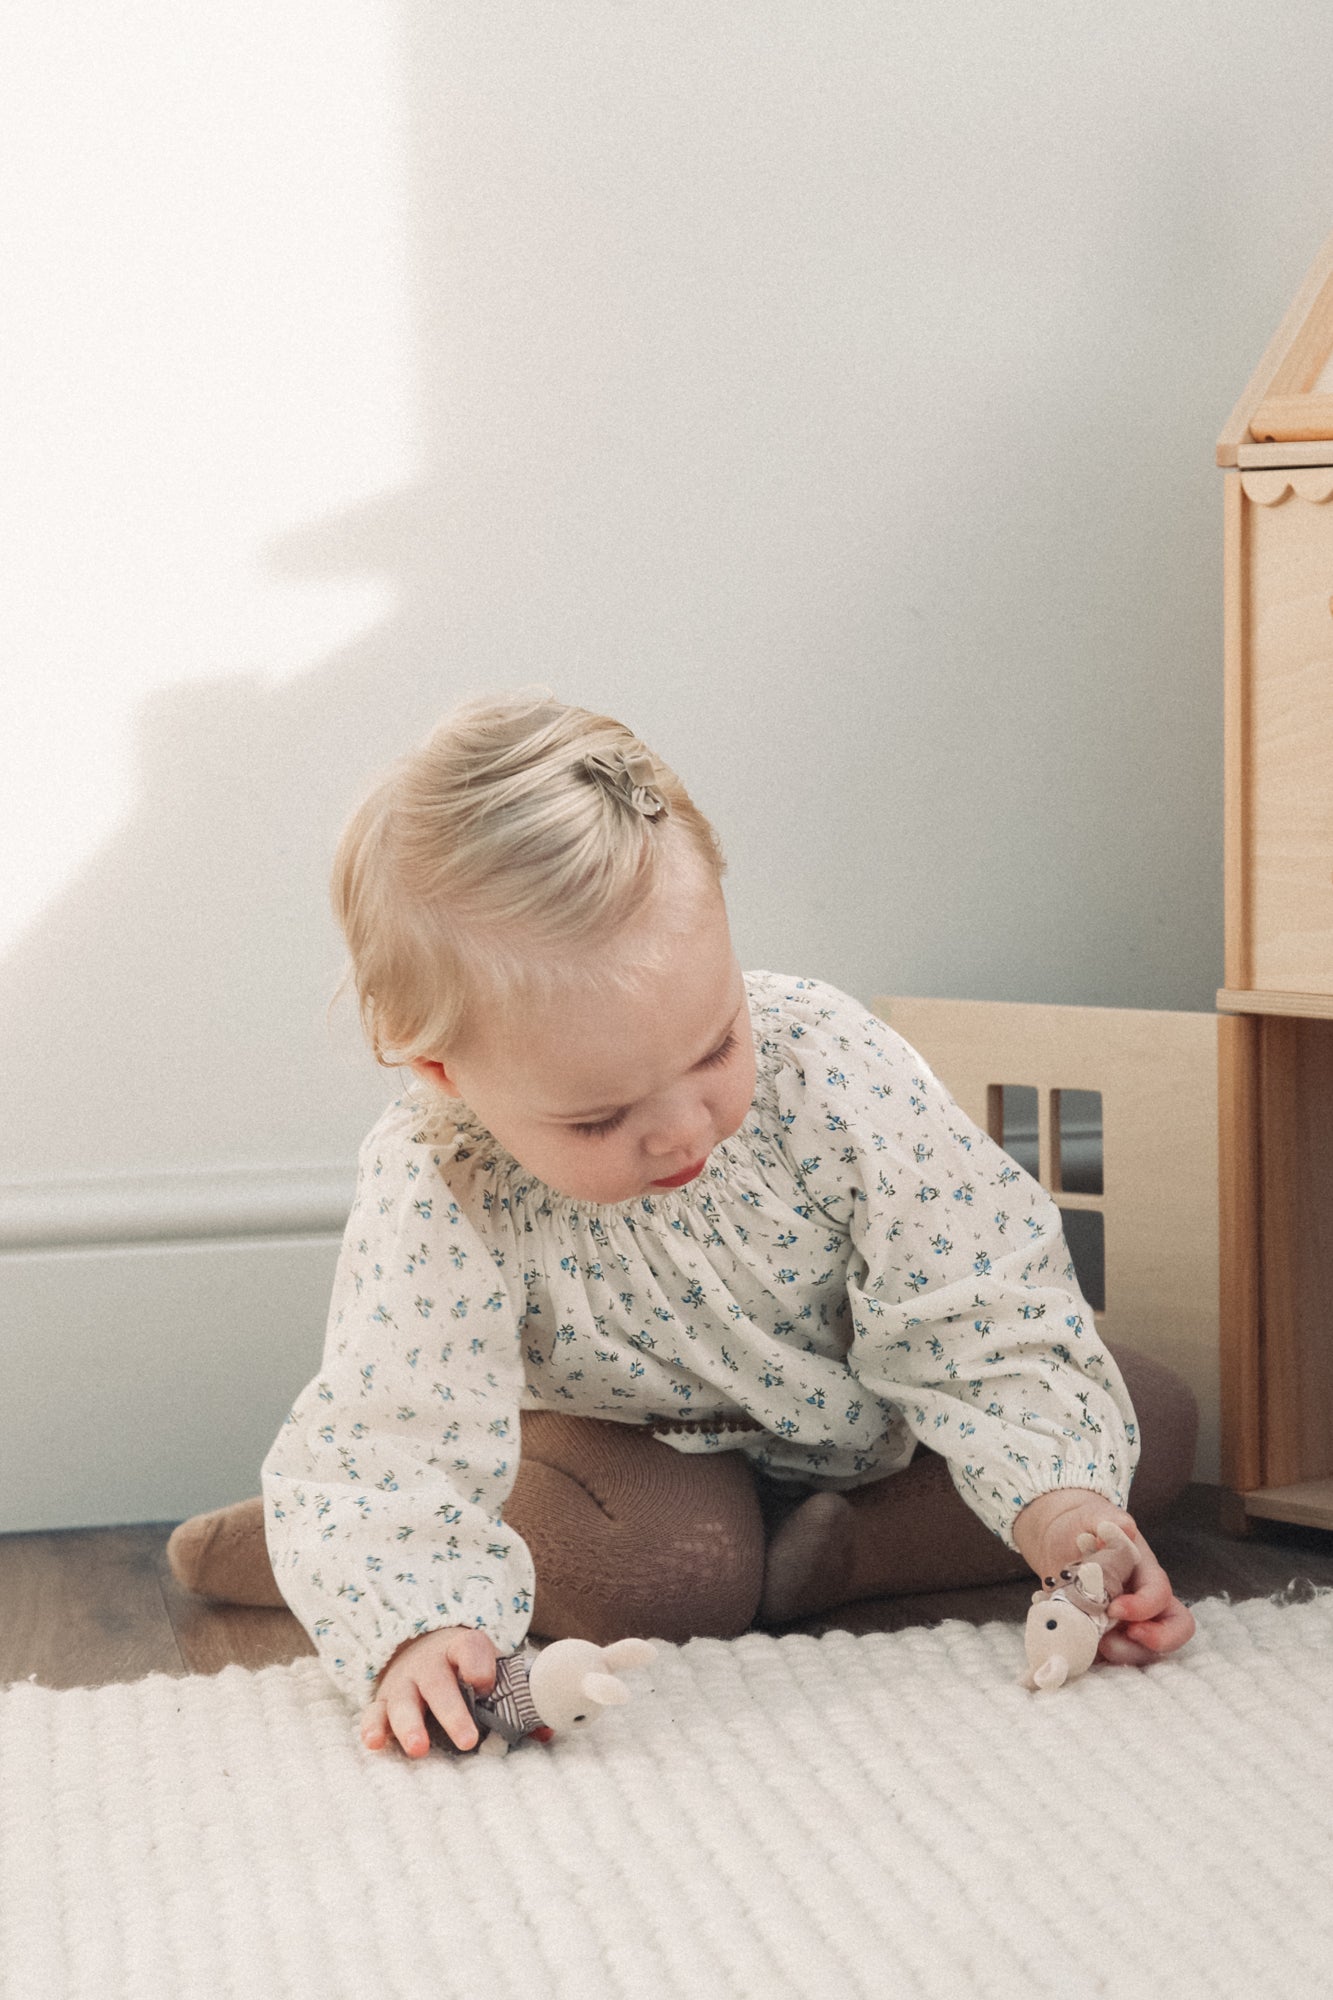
<point>223,1555</point>
<point>808,1563</point>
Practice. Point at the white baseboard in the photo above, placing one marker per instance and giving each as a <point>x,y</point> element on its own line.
<point>169,1208</point>
<point>146,1381</point>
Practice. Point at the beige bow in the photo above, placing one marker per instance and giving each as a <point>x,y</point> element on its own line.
<point>628,775</point>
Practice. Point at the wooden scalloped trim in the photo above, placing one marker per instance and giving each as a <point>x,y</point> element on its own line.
<point>1268,488</point>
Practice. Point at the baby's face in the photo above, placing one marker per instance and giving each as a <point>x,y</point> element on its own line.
<point>609,1096</point>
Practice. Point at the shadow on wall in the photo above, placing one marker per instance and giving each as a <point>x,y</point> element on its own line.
<point>155,1012</point>
<point>168,989</point>
<point>641,442</point>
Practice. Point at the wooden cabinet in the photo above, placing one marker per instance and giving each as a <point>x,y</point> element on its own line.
<point>1276,1078</point>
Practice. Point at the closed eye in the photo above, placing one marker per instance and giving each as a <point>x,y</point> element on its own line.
<point>602,1125</point>
<point>722,1053</point>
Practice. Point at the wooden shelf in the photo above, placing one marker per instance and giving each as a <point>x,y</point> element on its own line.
<point>1259,457</point>
<point>1308,1504</point>
<point>1314,1006</point>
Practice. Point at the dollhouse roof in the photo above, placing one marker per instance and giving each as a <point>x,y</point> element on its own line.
<point>1285,416</point>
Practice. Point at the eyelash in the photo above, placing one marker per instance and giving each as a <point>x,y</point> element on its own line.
<point>605,1125</point>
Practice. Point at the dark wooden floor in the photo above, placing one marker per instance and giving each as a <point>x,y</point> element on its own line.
<point>88,1606</point>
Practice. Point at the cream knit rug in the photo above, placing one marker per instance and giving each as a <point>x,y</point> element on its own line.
<point>883,1816</point>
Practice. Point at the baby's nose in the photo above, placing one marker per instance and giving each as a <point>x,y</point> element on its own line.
<point>685,1135</point>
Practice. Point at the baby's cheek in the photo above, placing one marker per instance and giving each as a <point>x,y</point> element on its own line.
<point>741,1098</point>
<point>596,1170</point>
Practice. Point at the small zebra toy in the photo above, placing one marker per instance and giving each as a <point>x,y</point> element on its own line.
<point>568,1683</point>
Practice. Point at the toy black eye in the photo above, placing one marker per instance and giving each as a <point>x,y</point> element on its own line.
<point>1049,1582</point>
<point>1066,1576</point>
<point>580,1718</point>
<point>1052,1625</point>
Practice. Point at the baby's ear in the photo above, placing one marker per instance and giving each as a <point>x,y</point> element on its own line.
<point>434,1074</point>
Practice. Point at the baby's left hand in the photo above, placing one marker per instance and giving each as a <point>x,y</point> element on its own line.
<point>1151,1620</point>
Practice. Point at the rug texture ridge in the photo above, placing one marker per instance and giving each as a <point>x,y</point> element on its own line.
<point>889,1815</point>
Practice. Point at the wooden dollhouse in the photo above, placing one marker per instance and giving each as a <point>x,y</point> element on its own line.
<point>1276,1040</point>
<point>1115,1112</point>
<point>1213,1196</point>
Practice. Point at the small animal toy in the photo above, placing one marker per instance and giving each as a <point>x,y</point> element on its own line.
<point>1069,1613</point>
<point>565,1685</point>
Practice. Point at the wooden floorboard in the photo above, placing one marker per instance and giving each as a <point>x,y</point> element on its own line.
<point>213,1636</point>
<point>82,1608</point>
<point>86,1607</point>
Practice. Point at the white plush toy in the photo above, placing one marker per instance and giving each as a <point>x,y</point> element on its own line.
<point>565,1685</point>
<point>1069,1613</point>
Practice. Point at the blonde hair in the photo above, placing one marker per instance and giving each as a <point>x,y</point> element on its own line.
<point>494,860</point>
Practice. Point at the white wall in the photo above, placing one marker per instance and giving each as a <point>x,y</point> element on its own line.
<point>830,390</point>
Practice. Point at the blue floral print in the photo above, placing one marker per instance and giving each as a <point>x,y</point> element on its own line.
<point>858,1270</point>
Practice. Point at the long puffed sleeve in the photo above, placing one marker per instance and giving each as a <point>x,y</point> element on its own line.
<point>383,1490</point>
<point>966,1312</point>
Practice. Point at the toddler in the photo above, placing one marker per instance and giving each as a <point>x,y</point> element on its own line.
<point>660,1276</point>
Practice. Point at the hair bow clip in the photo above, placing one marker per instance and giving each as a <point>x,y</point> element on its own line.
<point>628,776</point>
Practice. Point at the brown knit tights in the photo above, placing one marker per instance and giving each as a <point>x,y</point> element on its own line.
<point>632,1538</point>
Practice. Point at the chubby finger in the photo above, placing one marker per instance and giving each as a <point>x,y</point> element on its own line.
<point>440,1690</point>
<point>1150,1590</point>
<point>473,1658</point>
<point>1122,1651</point>
<point>407,1719</point>
<point>1166,1634</point>
<point>1150,1598</point>
<point>1138,1645</point>
<point>375,1725</point>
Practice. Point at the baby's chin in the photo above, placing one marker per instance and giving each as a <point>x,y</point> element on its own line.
<point>619,1196</point>
<point>616,1194</point>
<point>594,1193</point>
<point>608,1194</point>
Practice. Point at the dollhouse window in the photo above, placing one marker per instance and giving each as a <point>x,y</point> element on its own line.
<point>1076,1123</point>
<point>1018,1125</point>
<point>1064,1152</point>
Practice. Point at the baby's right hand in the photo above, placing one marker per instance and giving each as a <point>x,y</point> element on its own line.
<point>424,1673</point>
